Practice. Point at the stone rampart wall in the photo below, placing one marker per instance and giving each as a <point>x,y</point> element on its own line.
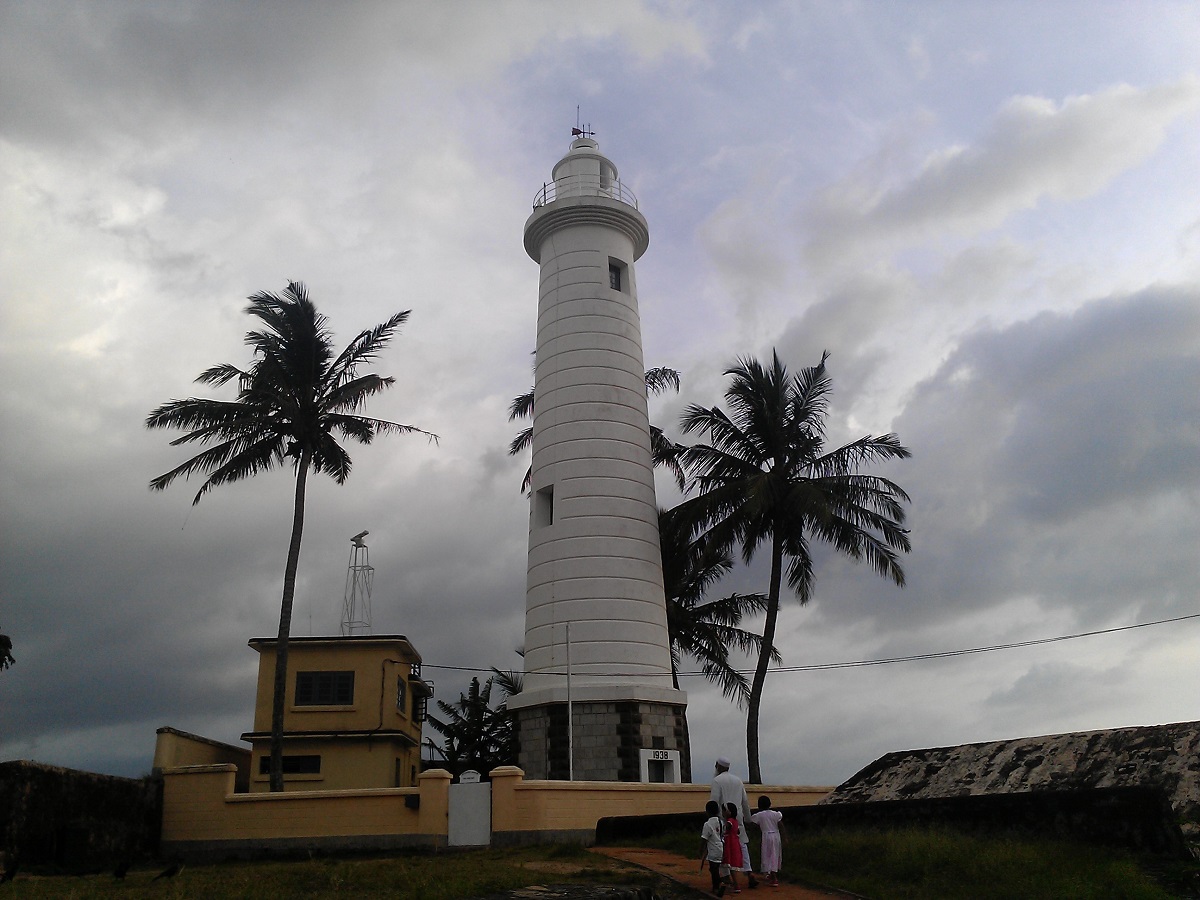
<point>73,821</point>
<point>1164,757</point>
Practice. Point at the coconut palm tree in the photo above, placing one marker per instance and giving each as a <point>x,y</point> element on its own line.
<point>292,404</point>
<point>766,477</point>
<point>664,451</point>
<point>705,630</point>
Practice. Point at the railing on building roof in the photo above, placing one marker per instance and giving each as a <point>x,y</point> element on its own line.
<point>584,186</point>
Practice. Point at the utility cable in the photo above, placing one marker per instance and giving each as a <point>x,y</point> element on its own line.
<point>861,663</point>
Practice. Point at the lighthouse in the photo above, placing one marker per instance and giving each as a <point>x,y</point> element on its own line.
<point>598,702</point>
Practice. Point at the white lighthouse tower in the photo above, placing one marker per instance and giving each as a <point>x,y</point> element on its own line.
<point>598,701</point>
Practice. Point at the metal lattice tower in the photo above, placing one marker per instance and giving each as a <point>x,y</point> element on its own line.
<point>356,604</point>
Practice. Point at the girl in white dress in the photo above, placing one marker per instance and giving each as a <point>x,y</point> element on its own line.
<point>769,822</point>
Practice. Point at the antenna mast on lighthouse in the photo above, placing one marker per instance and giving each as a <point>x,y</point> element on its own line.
<point>356,605</point>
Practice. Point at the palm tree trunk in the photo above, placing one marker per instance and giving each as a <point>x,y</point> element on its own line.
<point>764,657</point>
<point>285,624</point>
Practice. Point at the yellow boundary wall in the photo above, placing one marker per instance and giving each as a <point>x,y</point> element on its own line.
<point>204,818</point>
<point>543,811</point>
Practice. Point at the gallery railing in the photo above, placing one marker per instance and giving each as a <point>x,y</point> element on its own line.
<point>584,186</point>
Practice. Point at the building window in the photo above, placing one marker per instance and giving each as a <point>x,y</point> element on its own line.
<point>401,695</point>
<point>616,275</point>
<point>324,688</point>
<point>543,507</point>
<point>293,765</point>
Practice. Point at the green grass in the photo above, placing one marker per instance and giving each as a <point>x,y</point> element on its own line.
<point>412,876</point>
<point>940,864</point>
<point>910,864</point>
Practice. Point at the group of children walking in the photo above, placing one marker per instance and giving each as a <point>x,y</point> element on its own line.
<point>721,845</point>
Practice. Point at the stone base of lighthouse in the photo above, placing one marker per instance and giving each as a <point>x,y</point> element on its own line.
<point>621,740</point>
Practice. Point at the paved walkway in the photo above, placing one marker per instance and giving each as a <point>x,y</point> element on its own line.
<point>687,872</point>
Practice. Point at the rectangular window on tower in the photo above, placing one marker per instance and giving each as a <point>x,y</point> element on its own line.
<point>617,276</point>
<point>543,507</point>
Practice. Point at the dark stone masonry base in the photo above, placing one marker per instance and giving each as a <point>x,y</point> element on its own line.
<point>609,737</point>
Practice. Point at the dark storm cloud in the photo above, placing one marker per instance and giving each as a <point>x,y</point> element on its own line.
<point>1041,453</point>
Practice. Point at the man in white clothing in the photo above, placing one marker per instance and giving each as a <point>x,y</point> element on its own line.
<point>728,788</point>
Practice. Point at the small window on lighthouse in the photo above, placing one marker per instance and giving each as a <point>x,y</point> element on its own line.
<point>543,507</point>
<point>606,177</point>
<point>616,274</point>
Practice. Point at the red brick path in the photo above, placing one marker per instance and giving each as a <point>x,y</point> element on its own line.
<point>688,872</point>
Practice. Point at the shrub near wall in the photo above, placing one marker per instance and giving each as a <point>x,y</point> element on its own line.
<point>75,821</point>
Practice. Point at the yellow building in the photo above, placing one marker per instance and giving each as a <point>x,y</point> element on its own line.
<point>352,715</point>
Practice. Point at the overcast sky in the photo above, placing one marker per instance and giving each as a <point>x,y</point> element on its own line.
<point>989,214</point>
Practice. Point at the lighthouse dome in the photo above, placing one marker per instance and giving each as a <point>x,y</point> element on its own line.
<point>585,158</point>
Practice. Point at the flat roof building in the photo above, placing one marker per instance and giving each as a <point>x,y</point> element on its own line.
<point>352,715</point>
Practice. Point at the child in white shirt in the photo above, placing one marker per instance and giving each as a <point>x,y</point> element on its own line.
<point>712,846</point>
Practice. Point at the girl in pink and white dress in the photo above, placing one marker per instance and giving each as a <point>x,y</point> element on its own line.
<point>770,823</point>
<point>731,861</point>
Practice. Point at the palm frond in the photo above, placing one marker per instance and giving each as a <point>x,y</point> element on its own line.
<point>523,439</point>
<point>666,453</point>
<point>661,379</point>
<point>365,347</point>
<point>521,407</point>
<point>663,451</point>
<point>509,681</point>
<point>365,428</point>
<point>219,375</point>
<point>205,416</point>
<point>330,458</point>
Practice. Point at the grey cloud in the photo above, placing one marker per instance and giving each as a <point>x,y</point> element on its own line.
<point>1035,149</point>
<point>1044,456</point>
<point>1064,687</point>
<point>1102,404</point>
<point>745,251</point>
<point>150,70</point>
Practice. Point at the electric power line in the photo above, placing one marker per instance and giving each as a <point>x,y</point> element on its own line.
<point>861,663</point>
